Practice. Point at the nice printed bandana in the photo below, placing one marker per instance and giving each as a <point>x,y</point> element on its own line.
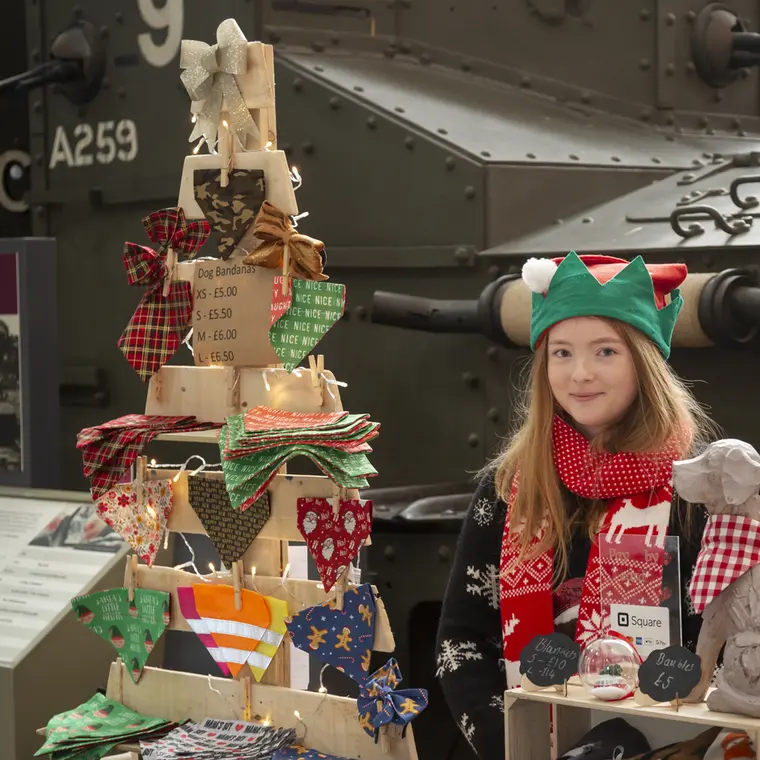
<point>132,628</point>
<point>231,530</point>
<point>231,210</point>
<point>235,637</point>
<point>143,524</point>
<point>333,540</point>
<point>341,638</point>
<point>730,547</point>
<point>639,492</point>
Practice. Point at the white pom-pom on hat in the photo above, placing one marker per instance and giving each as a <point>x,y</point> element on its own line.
<point>537,274</point>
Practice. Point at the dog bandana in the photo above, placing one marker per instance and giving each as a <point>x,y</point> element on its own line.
<point>730,547</point>
<point>140,524</point>
<point>333,540</point>
<point>341,638</point>
<point>235,637</point>
<point>639,491</point>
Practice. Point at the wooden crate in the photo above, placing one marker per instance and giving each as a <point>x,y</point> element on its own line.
<point>527,720</point>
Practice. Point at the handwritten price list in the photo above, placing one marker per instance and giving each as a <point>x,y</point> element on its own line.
<point>231,303</point>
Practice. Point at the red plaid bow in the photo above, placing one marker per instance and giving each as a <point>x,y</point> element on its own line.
<point>162,317</point>
<point>730,547</point>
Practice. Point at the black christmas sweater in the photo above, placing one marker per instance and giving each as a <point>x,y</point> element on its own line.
<point>469,649</point>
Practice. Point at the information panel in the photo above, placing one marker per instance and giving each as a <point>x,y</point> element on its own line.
<point>50,551</point>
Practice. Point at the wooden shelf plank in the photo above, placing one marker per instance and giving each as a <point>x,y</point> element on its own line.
<point>205,391</point>
<point>330,723</point>
<point>200,436</point>
<point>577,696</point>
<point>284,492</point>
<point>297,592</point>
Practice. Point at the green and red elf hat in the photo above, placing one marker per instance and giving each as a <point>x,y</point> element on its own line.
<point>644,296</point>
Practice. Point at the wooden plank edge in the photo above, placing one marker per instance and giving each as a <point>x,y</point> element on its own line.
<point>686,713</point>
<point>325,722</point>
<point>305,592</point>
<point>284,492</point>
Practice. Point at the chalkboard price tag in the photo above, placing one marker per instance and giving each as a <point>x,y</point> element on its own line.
<point>550,659</point>
<point>669,674</point>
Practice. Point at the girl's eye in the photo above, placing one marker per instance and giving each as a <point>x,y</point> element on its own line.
<point>607,351</point>
<point>561,353</point>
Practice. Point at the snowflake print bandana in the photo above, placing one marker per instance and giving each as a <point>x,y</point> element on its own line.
<point>638,491</point>
<point>140,525</point>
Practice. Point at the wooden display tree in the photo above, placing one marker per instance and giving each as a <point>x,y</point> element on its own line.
<point>236,368</point>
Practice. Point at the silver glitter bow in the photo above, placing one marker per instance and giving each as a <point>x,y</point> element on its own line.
<point>209,78</point>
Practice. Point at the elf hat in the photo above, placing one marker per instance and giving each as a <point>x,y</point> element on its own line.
<point>604,286</point>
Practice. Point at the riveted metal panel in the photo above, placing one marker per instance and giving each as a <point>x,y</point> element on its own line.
<point>389,184</point>
<point>524,199</point>
<point>142,106</point>
<point>332,20</point>
<point>640,222</point>
<point>688,92</point>
<point>491,121</point>
<point>515,36</point>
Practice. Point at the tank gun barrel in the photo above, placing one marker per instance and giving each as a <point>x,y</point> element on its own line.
<point>721,309</point>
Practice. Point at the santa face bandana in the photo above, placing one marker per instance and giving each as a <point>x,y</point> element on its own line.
<point>639,493</point>
<point>333,539</point>
<point>730,547</point>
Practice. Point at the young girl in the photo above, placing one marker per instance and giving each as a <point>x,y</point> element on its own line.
<point>591,463</point>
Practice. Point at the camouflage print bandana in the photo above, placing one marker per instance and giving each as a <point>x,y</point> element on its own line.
<point>231,210</point>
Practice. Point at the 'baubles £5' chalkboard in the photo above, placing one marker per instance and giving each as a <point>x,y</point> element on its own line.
<point>550,659</point>
<point>669,674</point>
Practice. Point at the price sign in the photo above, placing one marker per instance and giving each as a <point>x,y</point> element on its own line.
<point>670,673</point>
<point>550,659</point>
<point>231,304</point>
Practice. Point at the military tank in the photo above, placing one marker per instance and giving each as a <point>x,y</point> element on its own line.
<point>441,144</point>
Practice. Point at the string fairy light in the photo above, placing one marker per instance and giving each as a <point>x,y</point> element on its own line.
<point>191,562</point>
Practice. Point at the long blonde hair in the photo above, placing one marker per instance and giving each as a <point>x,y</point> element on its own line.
<point>664,405</point>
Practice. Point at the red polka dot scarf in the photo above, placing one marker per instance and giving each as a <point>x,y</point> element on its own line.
<point>638,488</point>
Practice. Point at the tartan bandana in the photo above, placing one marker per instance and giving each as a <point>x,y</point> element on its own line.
<point>639,492</point>
<point>160,322</point>
<point>110,449</point>
<point>730,547</point>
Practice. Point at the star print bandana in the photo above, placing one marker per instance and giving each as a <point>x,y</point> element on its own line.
<point>140,524</point>
<point>333,539</point>
<point>638,490</point>
<point>379,703</point>
<point>730,547</point>
<point>341,638</point>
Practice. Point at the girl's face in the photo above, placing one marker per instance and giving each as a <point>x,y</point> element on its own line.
<point>591,372</point>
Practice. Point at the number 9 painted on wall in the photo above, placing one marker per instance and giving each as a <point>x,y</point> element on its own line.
<point>169,16</point>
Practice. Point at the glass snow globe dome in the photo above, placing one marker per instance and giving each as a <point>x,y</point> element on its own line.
<point>609,668</point>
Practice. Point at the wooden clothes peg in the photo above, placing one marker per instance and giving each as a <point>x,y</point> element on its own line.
<point>141,465</point>
<point>133,565</point>
<point>247,698</point>
<point>337,498</point>
<point>237,580</point>
<point>340,589</point>
<point>285,267</point>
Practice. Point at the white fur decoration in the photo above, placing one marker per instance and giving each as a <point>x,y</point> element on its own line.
<point>537,274</point>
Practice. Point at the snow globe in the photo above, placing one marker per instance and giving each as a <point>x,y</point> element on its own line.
<point>609,668</point>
